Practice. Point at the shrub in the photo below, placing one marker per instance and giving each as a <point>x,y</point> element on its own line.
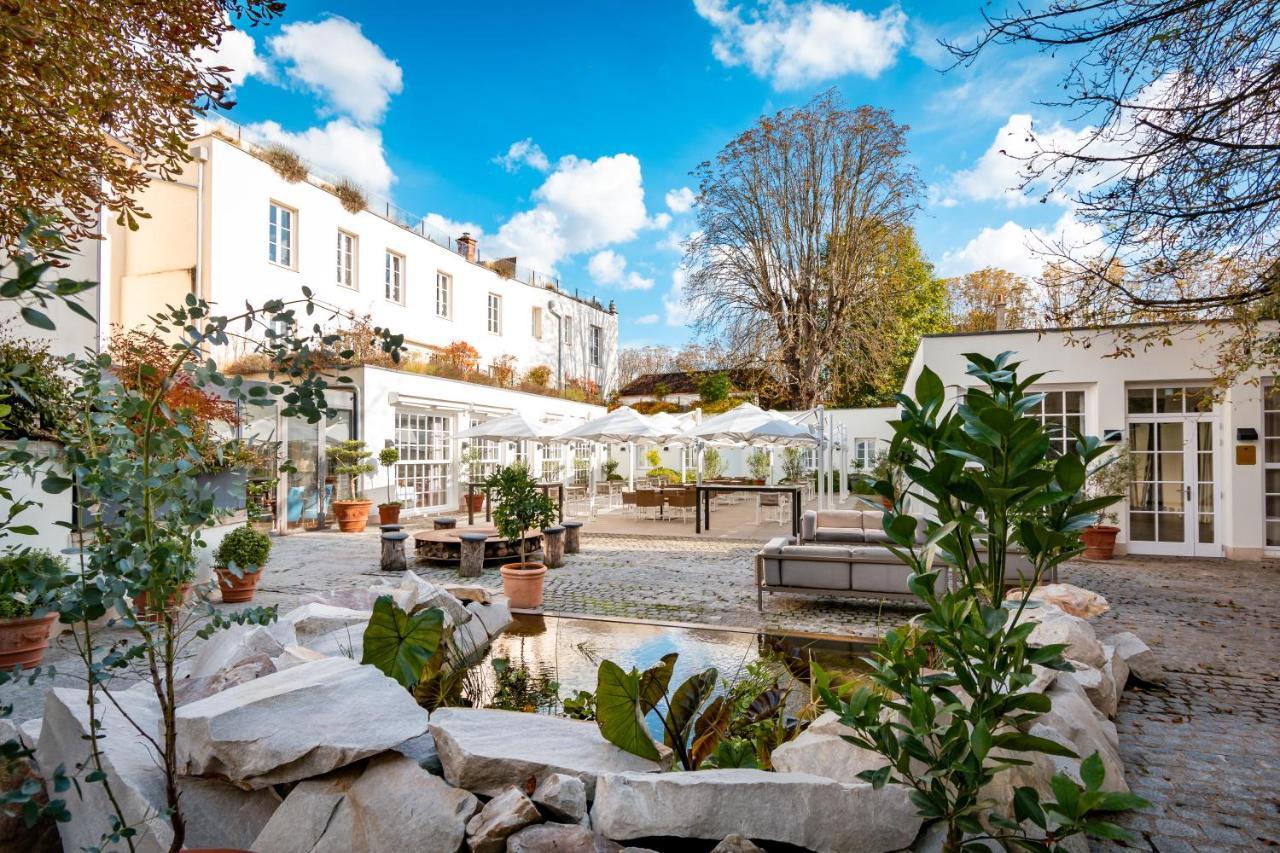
<point>653,458</point>
<point>503,370</point>
<point>38,395</point>
<point>712,463</point>
<point>668,474</point>
<point>521,505</point>
<point>351,196</point>
<point>539,376</point>
<point>792,464</point>
<point>714,388</point>
<point>760,464</point>
<point>653,407</point>
<point>459,358</point>
<point>29,581</point>
<point>243,548</point>
<point>387,458</point>
<point>351,460</point>
<point>286,164</point>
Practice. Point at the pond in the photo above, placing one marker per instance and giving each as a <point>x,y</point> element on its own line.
<point>568,651</point>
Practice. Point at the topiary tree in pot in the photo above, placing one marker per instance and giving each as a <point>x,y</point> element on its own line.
<point>389,510</point>
<point>238,562</point>
<point>760,465</point>
<point>520,506</point>
<point>350,459</point>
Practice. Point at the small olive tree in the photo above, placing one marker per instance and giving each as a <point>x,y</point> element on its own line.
<point>521,505</point>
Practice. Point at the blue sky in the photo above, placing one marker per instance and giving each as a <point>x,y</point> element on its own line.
<point>565,133</point>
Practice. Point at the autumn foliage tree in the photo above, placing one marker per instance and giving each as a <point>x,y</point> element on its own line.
<point>97,98</point>
<point>977,297</point>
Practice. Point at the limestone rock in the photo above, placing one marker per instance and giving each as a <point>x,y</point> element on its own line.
<point>560,838</point>
<point>494,616</point>
<point>1070,599</point>
<point>1143,663</point>
<point>421,594</point>
<point>1116,667</point>
<point>504,815</point>
<point>315,620</point>
<point>468,592</point>
<point>736,843</point>
<point>295,724</point>
<point>218,814</point>
<point>294,655</point>
<point>238,643</point>
<point>422,749</point>
<point>345,642</point>
<point>793,808</point>
<point>1099,686</point>
<point>29,733</point>
<point>392,804</point>
<point>562,797</point>
<point>821,750</point>
<point>1075,722</point>
<point>486,751</point>
<point>1055,626</point>
<point>194,689</point>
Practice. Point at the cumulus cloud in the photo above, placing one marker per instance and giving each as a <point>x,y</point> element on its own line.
<point>526,152</point>
<point>333,59</point>
<point>340,148</point>
<point>999,172</point>
<point>445,227</point>
<point>797,44</point>
<point>673,300</point>
<point>238,52</point>
<point>646,319</point>
<point>681,200</point>
<point>607,267</point>
<point>1015,247</point>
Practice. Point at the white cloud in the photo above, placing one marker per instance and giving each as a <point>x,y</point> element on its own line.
<point>583,205</point>
<point>662,220</point>
<point>526,152</point>
<point>1014,247</point>
<point>646,319</point>
<point>608,267</point>
<point>237,51</point>
<point>340,148</point>
<point>681,200</point>
<point>797,44</point>
<point>673,300</point>
<point>1000,171</point>
<point>445,227</point>
<point>333,59</point>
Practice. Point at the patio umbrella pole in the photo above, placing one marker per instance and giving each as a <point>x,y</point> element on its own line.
<point>822,461</point>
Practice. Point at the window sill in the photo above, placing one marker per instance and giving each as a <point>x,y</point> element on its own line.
<point>352,287</point>
<point>281,266</point>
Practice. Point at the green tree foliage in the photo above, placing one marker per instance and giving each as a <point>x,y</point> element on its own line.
<point>714,388</point>
<point>521,505</point>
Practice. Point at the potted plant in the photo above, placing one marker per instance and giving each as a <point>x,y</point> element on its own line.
<point>1110,478</point>
<point>350,459</point>
<point>712,464</point>
<point>520,506</point>
<point>29,585</point>
<point>760,465</point>
<point>472,470</point>
<point>238,562</point>
<point>389,510</point>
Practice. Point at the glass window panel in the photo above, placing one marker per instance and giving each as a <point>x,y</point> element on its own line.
<point>1273,481</point>
<point>1169,467</point>
<point>1204,498</point>
<point>1144,466</point>
<point>1169,497</point>
<point>1141,496</point>
<point>1271,397</point>
<point>1273,449</point>
<point>1053,403</point>
<point>1171,527</point>
<point>1170,436</point>
<point>1141,437</point>
<point>1075,423</point>
<point>1142,526</point>
<point>1204,467</point>
<point>1198,400</point>
<point>1273,506</point>
<point>1273,532</point>
<point>1141,401</point>
<point>1206,528</point>
<point>1169,400</point>
<point>1204,436</point>
<point>1272,425</point>
<point>1074,401</point>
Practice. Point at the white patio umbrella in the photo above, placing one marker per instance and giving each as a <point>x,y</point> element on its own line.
<point>513,426</point>
<point>623,425</point>
<point>750,425</point>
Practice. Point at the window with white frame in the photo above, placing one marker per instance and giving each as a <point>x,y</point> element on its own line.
<point>394,269</point>
<point>567,323</point>
<point>597,344</point>
<point>346,259</point>
<point>495,314</point>
<point>537,322</point>
<point>864,452</point>
<point>282,230</point>
<point>423,472</point>
<point>444,294</point>
<point>1062,411</point>
<point>1271,462</point>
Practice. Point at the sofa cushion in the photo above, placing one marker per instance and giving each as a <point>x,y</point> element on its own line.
<point>790,568</point>
<point>839,518</point>
<point>875,535</point>
<point>852,535</point>
<point>872,520</point>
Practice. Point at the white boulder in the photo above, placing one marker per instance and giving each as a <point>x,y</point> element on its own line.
<point>1099,686</point>
<point>560,838</point>
<point>295,724</point>
<point>194,689</point>
<point>226,648</point>
<point>1055,626</point>
<point>1143,663</point>
<point>494,616</point>
<point>1070,599</point>
<point>315,620</point>
<point>821,750</point>
<point>791,808</point>
<point>1074,722</point>
<point>487,751</point>
<point>392,804</point>
<point>501,817</point>
<point>294,655</point>
<point>562,797</point>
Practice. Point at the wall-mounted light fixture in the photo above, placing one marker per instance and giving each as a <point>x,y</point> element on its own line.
<point>1246,434</point>
<point>1112,436</point>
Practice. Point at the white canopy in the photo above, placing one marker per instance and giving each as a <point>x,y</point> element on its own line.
<point>674,427</point>
<point>753,426</point>
<point>516,425</point>
<point>620,426</point>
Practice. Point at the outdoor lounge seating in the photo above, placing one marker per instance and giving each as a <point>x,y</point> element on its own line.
<point>847,526</point>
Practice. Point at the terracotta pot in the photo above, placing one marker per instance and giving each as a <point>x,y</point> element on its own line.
<point>1099,541</point>
<point>237,590</point>
<point>352,515</point>
<point>474,502</point>
<point>23,641</point>
<point>388,513</point>
<point>148,612</point>
<point>522,584</point>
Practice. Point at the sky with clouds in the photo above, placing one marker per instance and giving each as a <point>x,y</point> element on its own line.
<point>565,134</point>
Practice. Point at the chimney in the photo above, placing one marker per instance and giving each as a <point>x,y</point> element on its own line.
<point>467,246</point>
<point>1001,313</point>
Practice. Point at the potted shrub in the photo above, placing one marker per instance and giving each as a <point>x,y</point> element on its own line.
<point>472,467</point>
<point>712,464</point>
<point>238,563</point>
<point>29,585</point>
<point>1110,478</point>
<point>760,465</point>
<point>520,506</point>
<point>350,459</point>
<point>389,510</point>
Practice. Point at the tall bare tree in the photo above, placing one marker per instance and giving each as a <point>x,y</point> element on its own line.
<point>794,215</point>
<point>1179,167</point>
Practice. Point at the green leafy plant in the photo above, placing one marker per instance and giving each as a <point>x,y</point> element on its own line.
<point>518,689</point>
<point>653,458</point>
<point>1112,476</point>
<point>668,474</point>
<point>30,582</point>
<point>792,464</point>
<point>387,458</point>
<point>34,386</point>
<point>715,388</point>
<point>242,550</point>
<point>947,705</point>
<point>400,644</point>
<point>760,464</point>
<point>580,706</point>
<point>521,505</point>
<point>471,466</point>
<point>610,469</point>
<point>712,463</point>
<point>351,460</point>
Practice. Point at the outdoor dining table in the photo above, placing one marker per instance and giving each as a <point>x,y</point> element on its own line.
<point>702,508</point>
<point>545,487</point>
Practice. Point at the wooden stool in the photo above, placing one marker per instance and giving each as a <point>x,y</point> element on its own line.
<point>472,562</point>
<point>444,523</point>
<point>393,550</point>
<point>390,528</point>
<point>572,537</point>
<point>553,546</point>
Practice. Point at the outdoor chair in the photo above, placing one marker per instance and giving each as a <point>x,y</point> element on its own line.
<point>772,506</point>
<point>629,501</point>
<point>684,501</point>
<point>648,502</point>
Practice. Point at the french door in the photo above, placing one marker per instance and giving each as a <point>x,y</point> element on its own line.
<point>1173,497</point>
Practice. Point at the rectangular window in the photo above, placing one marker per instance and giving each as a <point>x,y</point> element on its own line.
<point>395,277</point>
<point>495,314</point>
<point>423,472</point>
<point>281,230</point>
<point>537,322</point>
<point>597,342</point>
<point>444,293</point>
<point>568,329</point>
<point>864,452</point>
<point>346,259</point>
<point>1271,461</point>
<point>1063,413</point>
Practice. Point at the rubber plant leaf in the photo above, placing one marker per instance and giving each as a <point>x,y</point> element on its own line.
<point>618,711</point>
<point>399,643</point>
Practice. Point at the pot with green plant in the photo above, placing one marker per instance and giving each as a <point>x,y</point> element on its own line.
<point>472,468</point>
<point>351,460</point>
<point>29,584</point>
<point>238,563</point>
<point>760,464</point>
<point>520,507</point>
<point>389,510</point>
<point>1112,476</point>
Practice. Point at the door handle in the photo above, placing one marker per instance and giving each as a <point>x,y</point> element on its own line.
<point>1188,494</point>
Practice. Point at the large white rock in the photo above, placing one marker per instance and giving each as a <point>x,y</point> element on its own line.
<point>420,594</point>
<point>1071,599</point>
<point>1115,666</point>
<point>562,797</point>
<point>501,817</point>
<point>1099,686</point>
<point>1143,663</point>
<point>295,724</point>
<point>494,616</point>
<point>821,750</point>
<point>560,838</point>
<point>194,689</point>
<point>315,620</point>
<point>487,751</point>
<point>1055,626</point>
<point>345,642</point>
<point>793,808</point>
<point>294,655</point>
<point>238,643</point>
<point>217,814</point>
<point>392,804</point>
<point>1073,721</point>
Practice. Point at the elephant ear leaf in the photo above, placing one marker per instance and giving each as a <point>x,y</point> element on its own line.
<point>618,711</point>
<point>766,706</point>
<point>684,705</point>
<point>399,643</point>
<point>710,729</point>
<point>654,682</point>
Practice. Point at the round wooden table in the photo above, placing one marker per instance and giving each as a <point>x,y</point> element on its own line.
<point>445,546</point>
